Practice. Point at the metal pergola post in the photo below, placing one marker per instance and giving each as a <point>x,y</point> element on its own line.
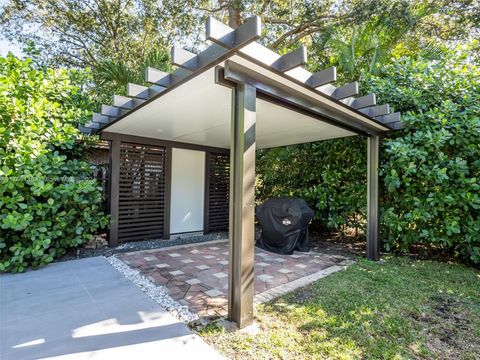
<point>242,205</point>
<point>373,219</point>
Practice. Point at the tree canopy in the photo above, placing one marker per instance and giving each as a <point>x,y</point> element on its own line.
<point>118,38</point>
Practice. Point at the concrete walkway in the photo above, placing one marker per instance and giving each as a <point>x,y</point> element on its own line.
<point>86,309</point>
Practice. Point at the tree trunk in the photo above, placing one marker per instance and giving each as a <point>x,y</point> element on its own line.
<point>235,13</point>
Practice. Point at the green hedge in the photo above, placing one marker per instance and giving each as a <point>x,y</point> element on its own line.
<point>330,175</point>
<point>430,171</point>
<point>48,200</point>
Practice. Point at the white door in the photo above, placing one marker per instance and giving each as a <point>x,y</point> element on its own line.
<point>187,197</point>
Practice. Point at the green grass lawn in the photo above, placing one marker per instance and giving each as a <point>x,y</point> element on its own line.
<point>396,309</point>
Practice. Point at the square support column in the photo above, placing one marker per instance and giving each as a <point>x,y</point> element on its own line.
<point>114,191</point>
<point>373,218</point>
<point>242,205</point>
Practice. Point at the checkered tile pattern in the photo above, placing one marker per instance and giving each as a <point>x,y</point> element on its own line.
<point>197,275</point>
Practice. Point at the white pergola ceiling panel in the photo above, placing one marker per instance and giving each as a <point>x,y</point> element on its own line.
<point>199,112</point>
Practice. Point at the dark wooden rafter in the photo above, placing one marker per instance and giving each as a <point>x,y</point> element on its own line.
<point>291,60</point>
<point>126,102</point>
<point>102,119</point>
<point>228,41</point>
<point>184,59</point>
<point>113,111</point>
<point>143,92</point>
<point>361,102</point>
<point>375,111</point>
<point>225,36</point>
<point>322,77</point>
<point>157,77</point>
<point>341,92</point>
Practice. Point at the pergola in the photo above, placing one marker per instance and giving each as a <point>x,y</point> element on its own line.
<point>239,95</point>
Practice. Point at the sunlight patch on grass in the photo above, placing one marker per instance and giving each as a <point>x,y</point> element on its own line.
<point>396,309</point>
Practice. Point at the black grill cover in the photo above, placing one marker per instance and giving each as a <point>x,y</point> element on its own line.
<point>284,224</point>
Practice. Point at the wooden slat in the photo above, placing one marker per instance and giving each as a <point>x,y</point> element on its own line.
<point>137,228</point>
<point>139,236</point>
<point>131,214</point>
<point>141,224</point>
<point>147,199</point>
<point>141,205</point>
<point>218,191</point>
<point>149,236</point>
<point>141,192</point>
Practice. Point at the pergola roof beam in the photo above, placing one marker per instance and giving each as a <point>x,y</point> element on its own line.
<point>376,110</point>
<point>241,42</point>
<point>126,102</point>
<point>92,125</point>
<point>360,102</point>
<point>85,130</point>
<point>143,92</point>
<point>322,77</point>
<point>137,91</point>
<point>113,111</point>
<point>397,126</point>
<point>389,118</point>
<point>99,118</point>
<point>157,77</point>
<point>291,60</point>
<point>230,38</point>
<point>226,39</point>
<point>184,58</point>
<point>342,92</point>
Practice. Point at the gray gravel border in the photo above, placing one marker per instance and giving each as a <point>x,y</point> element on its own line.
<point>159,294</point>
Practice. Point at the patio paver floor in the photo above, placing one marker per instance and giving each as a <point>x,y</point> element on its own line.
<point>197,275</point>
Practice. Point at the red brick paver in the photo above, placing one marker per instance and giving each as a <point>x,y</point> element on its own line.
<point>197,275</point>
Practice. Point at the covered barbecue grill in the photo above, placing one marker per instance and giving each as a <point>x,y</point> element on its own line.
<point>284,223</point>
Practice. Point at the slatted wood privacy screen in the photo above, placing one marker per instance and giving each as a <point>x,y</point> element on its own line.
<point>219,182</point>
<point>142,192</point>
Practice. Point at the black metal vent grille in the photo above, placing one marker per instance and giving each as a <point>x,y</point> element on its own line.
<point>142,192</point>
<point>219,182</point>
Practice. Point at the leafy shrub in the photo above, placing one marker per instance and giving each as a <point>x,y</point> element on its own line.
<point>430,171</point>
<point>48,201</point>
<point>330,175</point>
